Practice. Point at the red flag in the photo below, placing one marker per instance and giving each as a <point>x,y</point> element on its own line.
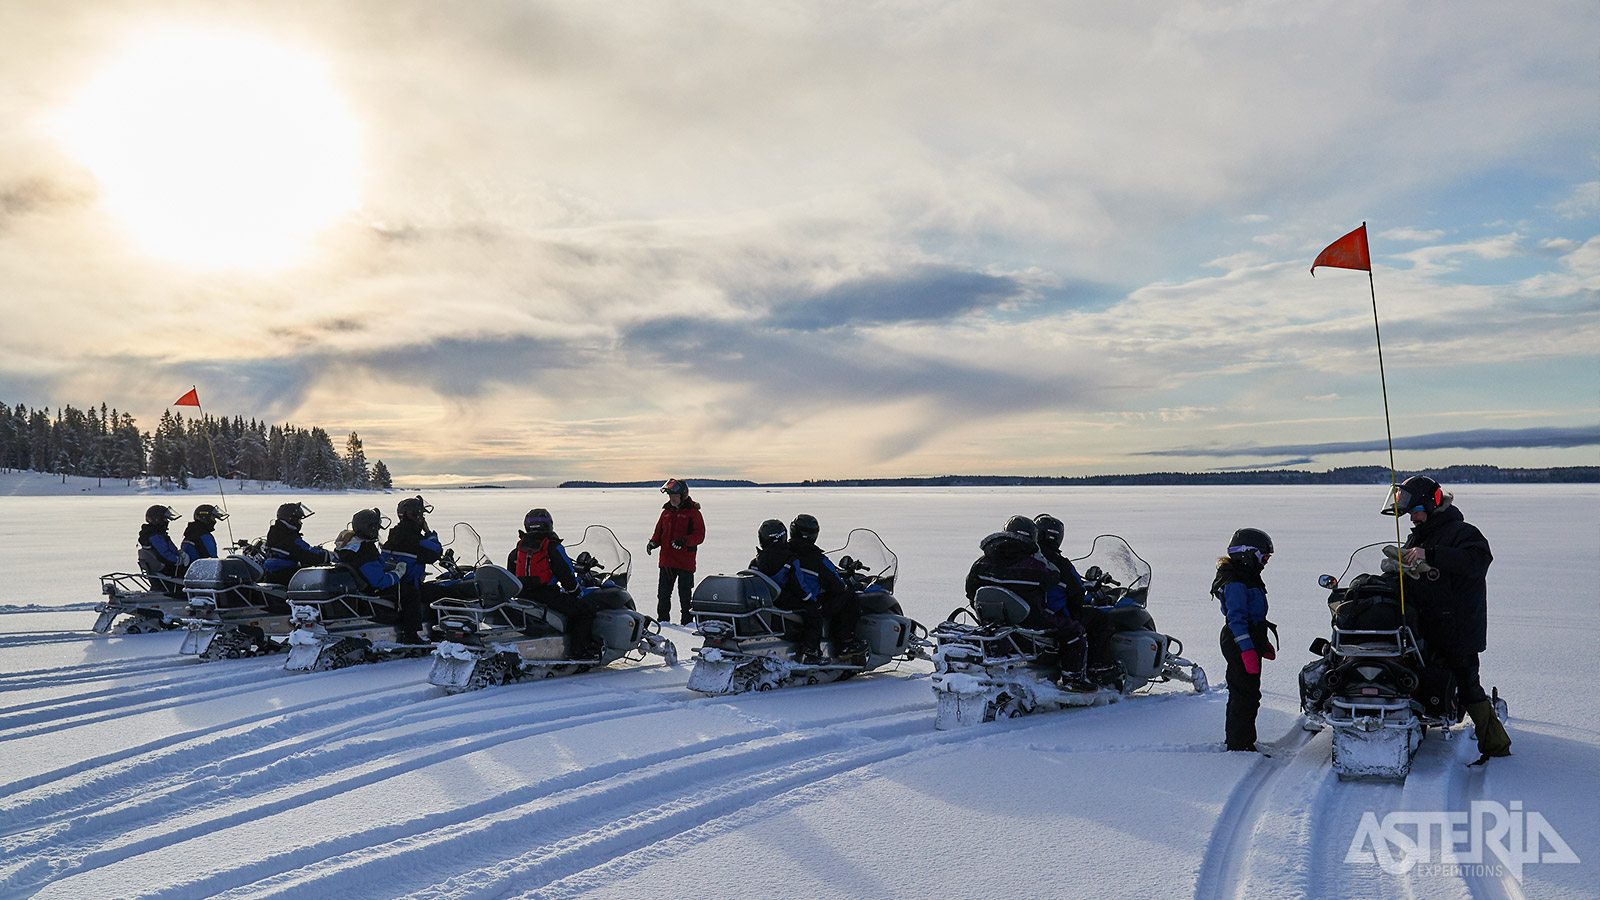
<point>190,399</point>
<point>1348,252</point>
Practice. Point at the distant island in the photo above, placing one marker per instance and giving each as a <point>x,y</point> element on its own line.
<point>1346,475</point>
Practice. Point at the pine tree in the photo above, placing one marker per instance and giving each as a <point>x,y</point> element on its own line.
<point>355,462</point>
<point>380,476</point>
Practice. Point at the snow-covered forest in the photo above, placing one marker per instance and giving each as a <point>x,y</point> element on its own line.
<point>107,443</point>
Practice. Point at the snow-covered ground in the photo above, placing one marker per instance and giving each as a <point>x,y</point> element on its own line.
<point>131,772</point>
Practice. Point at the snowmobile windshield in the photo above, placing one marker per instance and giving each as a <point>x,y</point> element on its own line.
<point>1112,572</point>
<point>866,553</point>
<point>1372,559</point>
<point>468,546</point>
<point>611,560</point>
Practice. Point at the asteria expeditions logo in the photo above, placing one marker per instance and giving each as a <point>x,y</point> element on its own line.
<point>1488,840</point>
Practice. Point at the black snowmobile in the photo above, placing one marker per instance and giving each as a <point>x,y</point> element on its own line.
<point>232,612</point>
<point>339,623</point>
<point>751,644</point>
<point>1373,682</point>
<point>498,638</point>
<point>988,666</point>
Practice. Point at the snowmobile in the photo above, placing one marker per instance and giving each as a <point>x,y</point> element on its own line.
<point>750,644</point>
<point>1373,682</point>
<point>500,638</point>
<point>232,613</point>
<point>338,622</point>
<point>991,667</point>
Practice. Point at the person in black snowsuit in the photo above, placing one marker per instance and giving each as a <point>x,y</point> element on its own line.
<point>818,579</point>
<point>198,540</point>
<point>540,561</point>
<point>159,558</point>
<point>358,549</point>
<point>1011,560</point>
<point>412,542</point>
<point>774,560</point>
<point>1243,595</point>
<point>287,551</point>
<point>1069,597</point>
<point>1451,599</point>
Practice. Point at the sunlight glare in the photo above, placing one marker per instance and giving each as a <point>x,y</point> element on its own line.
<point>218,150</point>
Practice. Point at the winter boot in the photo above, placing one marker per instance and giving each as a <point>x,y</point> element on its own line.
<point>664,614</point>
<point>1486,727</point>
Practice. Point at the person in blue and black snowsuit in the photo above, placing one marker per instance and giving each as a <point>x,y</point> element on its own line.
<point>1066,600</point>
<point>818,581</point>
<point>541,562</point>
<point>412,542</point>
<point>159,558</point>
<point>774,560</point>
<point>1243,595</point>
<point>287,551</point>
<point>198,540</point>
<point>358,549</point>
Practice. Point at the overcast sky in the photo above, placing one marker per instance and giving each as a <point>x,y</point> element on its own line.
<point>784,240</point>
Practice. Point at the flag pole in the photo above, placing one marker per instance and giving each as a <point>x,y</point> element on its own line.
<point>214,471</point>
<point>1383,381</point>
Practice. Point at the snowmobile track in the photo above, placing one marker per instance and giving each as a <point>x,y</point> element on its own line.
<point>1224,870</point>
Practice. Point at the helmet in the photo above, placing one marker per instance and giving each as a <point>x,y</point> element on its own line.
<point>1250,547</point>
<point>1050,531</point>
<point>1419,493</point>
<point>803,529</point>
<point>1023,527</point>
<point>366,523</point>
<point>413,508</point>
<point>160,514</point>
<point>676,486</point>
<point>772,535</point>
<point>537,523</point>
<point>209,511</point>
<point>294,513</point>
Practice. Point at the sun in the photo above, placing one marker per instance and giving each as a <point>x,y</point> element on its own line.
<point>217,149</point>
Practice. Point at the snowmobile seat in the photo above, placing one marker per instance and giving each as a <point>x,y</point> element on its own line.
<point>999,606</point>
<point>745,592</point>
<point>878,602</point>
<point>610,598</point>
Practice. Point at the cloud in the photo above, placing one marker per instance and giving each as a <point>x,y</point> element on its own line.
<point>1477,439</point>
<point>1412,235</point>
<point>924,293</point>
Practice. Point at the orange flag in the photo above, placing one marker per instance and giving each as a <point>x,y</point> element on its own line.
<point>190,399</point>
<point>1348,252</point>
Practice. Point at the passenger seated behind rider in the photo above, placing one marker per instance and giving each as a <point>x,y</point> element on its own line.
<point>819,579</point>
<point>1011,560</point>
<point>1069,597</point>
<point>540,561</point>
<point>198,540</point>
<point>774,560</point>
<point>358,549</point>
<point>412,542</point>
<point>159,558</point>
<point>287,551</point>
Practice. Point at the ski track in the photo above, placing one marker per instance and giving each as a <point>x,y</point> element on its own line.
<point>1224,870</point>
<point>1465,786</point>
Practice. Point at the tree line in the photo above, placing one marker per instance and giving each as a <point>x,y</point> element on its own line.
<point>105,443</point>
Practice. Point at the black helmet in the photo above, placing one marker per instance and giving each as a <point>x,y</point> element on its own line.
<point>772,535</point>
<point>160,514</point>
<point>537,523</point>
<point>1023,527</point>
<point>676,486</point>
<point>211,512</point>
<point>293,514</point>
<point>413,508</point>
<point>366,523</point>
<point>1250,547</point>
<point>803,529</point>
<point>1419,493</point>
<point>1050,531</point>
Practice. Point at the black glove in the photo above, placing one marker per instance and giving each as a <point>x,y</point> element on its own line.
<point>677,544</point>
<point>650,548</point>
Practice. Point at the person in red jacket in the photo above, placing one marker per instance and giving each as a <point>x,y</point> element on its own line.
<point>678,533</point>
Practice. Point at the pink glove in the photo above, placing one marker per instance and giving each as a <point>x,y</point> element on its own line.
<point>1252,661</point>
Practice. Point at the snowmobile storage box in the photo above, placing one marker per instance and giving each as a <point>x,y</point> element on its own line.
<point>1139,652</point>
<point>619,629</point>
<point>1370,603</point>
<point>741,593</point>
<point>220,574</point>
<point>322,583</point>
